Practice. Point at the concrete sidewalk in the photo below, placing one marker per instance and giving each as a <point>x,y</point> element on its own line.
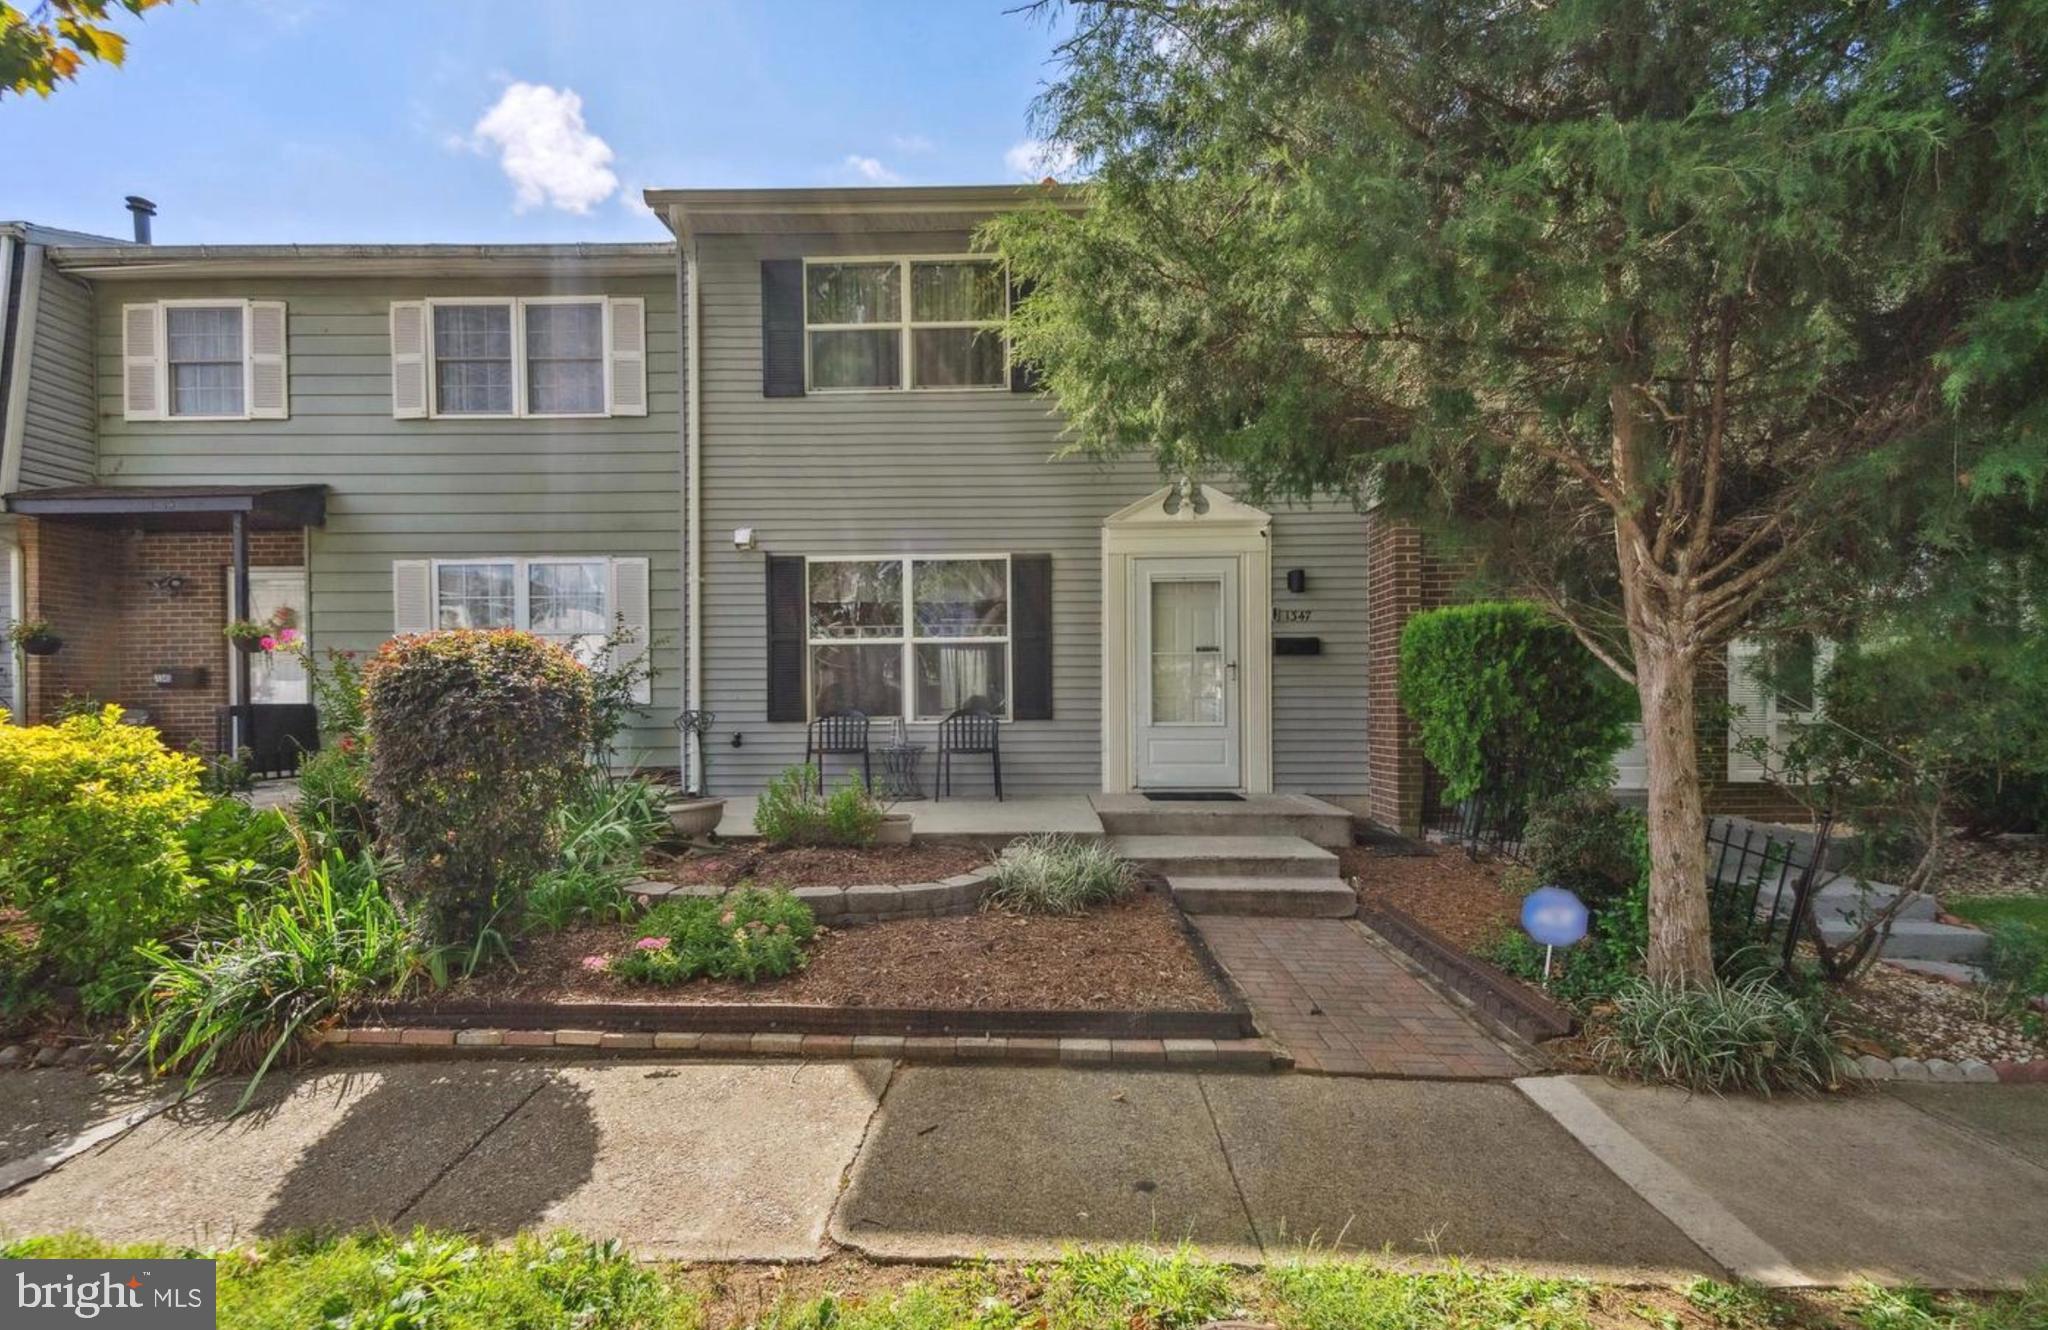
<point>733,1160</point>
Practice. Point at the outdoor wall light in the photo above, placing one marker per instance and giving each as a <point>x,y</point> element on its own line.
<point>170,584</point>
<point>1297,580</point>
<point>743,538</point>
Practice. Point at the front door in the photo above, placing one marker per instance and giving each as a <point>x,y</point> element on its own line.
<point>1185,705</point>
<point>274,594</point>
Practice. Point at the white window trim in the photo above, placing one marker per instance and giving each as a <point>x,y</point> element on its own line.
<point>907,641</point>
<point>163,362</point>
<point>521,610</point>
<point>905,326</point>
<point>521,409</point>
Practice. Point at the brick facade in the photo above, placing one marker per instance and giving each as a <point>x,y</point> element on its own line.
<point>1404,578</point>
<point>92,583</point>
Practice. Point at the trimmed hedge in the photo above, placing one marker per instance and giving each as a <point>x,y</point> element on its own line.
<point>476,737</point>
<point>1510,706</point>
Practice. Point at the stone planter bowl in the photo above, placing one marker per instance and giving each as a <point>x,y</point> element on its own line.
<point>895,829</point>
<point>695,817</point>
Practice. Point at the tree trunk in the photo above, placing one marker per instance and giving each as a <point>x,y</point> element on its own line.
<point>1681,944</point>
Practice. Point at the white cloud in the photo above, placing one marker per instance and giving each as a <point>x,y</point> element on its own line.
<point>545,149</point>
<point>1034,159</point>
<point>870,169</point>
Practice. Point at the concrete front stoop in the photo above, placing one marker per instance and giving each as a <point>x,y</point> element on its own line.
<point>1245,875</point>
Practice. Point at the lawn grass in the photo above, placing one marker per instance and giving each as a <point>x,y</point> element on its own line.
<point>451,1282</point>
<point>1987,910</point>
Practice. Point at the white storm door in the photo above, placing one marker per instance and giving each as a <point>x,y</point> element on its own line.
<point>279,676</point>
<point>1186,711</point>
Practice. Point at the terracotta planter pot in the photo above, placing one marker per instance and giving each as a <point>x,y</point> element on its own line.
<point>47,645</point>
<point>695,817</point>
<point>895,829</point>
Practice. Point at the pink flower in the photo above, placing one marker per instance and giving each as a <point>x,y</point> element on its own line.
<point>595,963</point>
<point>651,943</point>
<point>268,643</point>
<point>288,636</point>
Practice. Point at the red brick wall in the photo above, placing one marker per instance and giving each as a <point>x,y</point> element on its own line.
<point>90,583</point>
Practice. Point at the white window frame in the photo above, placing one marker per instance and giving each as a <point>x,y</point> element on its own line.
<point>519,564</point>
<point>906,327</point>
<point>907,641</point>
<point>521,408</point>
<point>164,356</point>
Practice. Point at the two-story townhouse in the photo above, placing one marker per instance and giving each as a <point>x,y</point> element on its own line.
<point>358,440</point>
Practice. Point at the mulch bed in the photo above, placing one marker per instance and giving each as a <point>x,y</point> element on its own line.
<point>1127,957</point>
<point>1459,898</point>
<point>818,866</point>
<point>2002,866</point>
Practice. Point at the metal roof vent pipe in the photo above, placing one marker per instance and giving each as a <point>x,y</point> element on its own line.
<point>143,210</point>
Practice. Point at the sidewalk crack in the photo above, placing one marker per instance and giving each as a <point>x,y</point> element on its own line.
<point>1230,1166</point>
<point>465,1153</point>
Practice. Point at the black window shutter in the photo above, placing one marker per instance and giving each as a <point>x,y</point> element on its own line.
<point>786,638</point>
<point>1023,373</point>
<point>782,327</point>
<point>1031,636</point>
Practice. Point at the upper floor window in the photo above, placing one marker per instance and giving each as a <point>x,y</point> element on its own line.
<point>204,360</point>
<point>546,356</point>
<point>905,323</point>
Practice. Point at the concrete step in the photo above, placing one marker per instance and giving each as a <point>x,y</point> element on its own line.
<point>1845,900</point>
<point>1954,971</point>
<point>1294,897</point>
<point>1918,940</point>
<point>1228,856</point>
<point>1300,815</point>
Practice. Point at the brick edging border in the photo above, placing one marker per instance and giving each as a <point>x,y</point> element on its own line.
<point>370,1042</point>
<point>1533,1017</point>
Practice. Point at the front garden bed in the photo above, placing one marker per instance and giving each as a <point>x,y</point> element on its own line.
<point>1890,1012</point>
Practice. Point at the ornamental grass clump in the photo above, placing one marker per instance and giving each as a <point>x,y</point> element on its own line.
<point>475,739</point>
<point>1058,875</point>
<point>1748,1034</point>
<point>749,934</point>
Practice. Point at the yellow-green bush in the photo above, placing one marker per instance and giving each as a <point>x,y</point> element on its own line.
<point>93,852</point>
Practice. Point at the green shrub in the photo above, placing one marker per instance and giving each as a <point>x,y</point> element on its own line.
<point>474,739</point>
<point>1746,1035</point>
<point>603,829</point>
<point>334,796</point>
<point>92,850</point>
<point>331,939</point>
<point>1588,844</point>
<point>1058,875</point>
<point>749,934</point>
<point>2018,959</point>
<point>792,810</point>
<point>237,852</point>
<point>1510,708</point>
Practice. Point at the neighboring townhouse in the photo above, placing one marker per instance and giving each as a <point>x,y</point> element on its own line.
<point>376,438</point>
<point>804,409</point>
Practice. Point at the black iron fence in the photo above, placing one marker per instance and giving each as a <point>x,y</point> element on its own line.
<point>1486,823</point>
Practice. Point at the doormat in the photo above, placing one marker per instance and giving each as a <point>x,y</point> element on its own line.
<point>1193,797</point>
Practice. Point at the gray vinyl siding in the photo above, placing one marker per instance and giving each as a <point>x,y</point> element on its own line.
<point>413,489</point>
<point>57,436</point>
<point>957,473</point>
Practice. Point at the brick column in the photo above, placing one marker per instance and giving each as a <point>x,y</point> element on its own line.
<point>1401,578</point>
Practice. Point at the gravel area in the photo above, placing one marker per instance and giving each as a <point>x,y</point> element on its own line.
<point>888,866</point>
<point>1460,898</point>
<point>2004,866</point>
<point>1126,957</point>
<point>1897,1013</point>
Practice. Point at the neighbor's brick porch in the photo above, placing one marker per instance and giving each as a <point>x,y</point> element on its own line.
<point>1341,1003</point>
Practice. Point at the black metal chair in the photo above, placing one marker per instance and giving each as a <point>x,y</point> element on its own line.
<point>844,733</point>
<point>971,731</point>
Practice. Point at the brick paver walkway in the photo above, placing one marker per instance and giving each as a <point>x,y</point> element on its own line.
<point>1342,1004</point>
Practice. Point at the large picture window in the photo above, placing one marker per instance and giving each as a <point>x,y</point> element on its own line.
<point>913,637</point>
<point>565,601</point>
<point>885,324</point>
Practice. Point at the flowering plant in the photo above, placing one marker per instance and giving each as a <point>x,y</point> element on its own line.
<point>271,635</point>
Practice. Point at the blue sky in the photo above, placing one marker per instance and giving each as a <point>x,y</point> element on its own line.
<point>515,120</point>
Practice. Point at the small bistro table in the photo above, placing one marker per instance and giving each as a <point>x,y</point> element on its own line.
<point>900,779</point>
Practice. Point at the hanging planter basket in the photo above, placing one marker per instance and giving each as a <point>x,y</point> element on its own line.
<point>247,645</point>
<point>42,644</point>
